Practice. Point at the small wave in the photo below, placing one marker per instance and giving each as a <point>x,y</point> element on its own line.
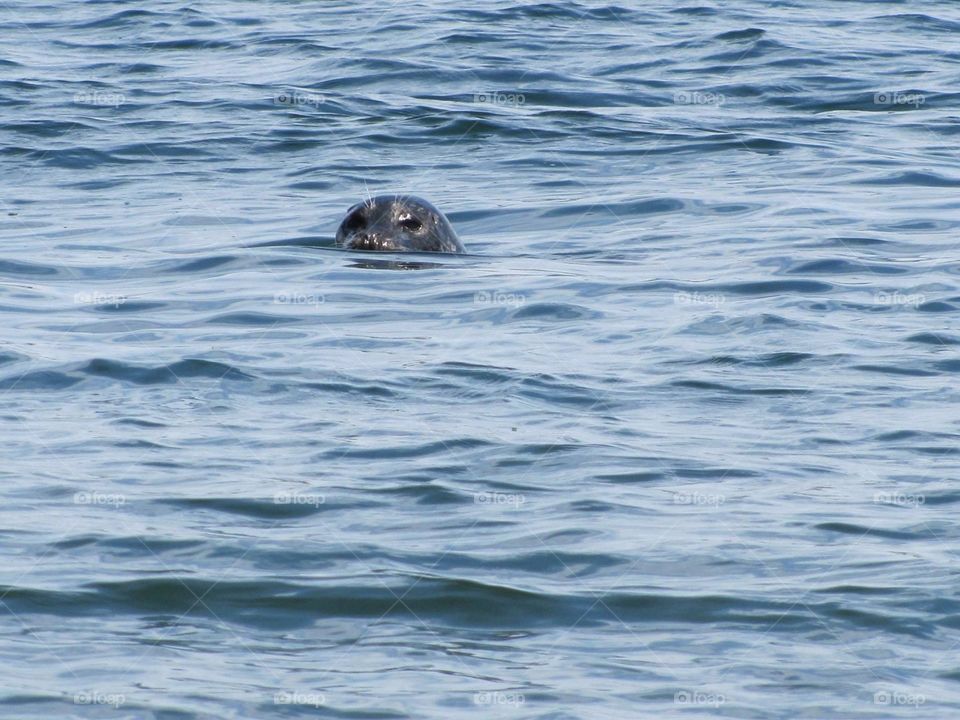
<point>917,21</point>
<point>250,318</point>
<point>842,266</point>
<point>127,307</point>
<point>428,493</point>
<point>442,601</point>
<point>553,311</point>
<point>734,390</point>
<point>855,241</point>
<point>928,338</point>
<point>618,209</point>
<point>287,506</point>
<point>774,287</point>
<point>12,267</point>
<point>747,34</point>
<point>77,158</point>
<point>895,370</point>
<point>183,44</point>
<point>203,264</point>
<point>563,392</point>
<point>863,531</point>
<point>485,374</point>
<point>39,380</point>
<point>48,127</point>
<point>9,357</point>
<point>133,17</point>
<point>164,374</point>
<point>639,476</point>
<point>569,11</point>
<point>913,177</point>
<point>409,451</point>
<point>937,306</point>
<point>772,360</point>
<point>760,48</point>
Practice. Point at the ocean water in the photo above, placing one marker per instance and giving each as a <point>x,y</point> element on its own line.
<point>676,438</point>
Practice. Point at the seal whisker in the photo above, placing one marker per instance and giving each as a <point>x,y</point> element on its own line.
<point>368,203</point>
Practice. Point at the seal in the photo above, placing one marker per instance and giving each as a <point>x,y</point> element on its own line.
<point>397,223</point>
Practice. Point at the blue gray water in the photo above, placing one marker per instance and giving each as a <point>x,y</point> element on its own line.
<point>677,438</point>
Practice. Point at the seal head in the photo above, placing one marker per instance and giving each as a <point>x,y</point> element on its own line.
<point>397,223</point>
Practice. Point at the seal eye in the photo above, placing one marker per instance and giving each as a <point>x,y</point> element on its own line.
<point>354,222</point>
<point>411,223</point>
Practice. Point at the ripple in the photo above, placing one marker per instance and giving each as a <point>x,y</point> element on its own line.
<point>122,18</point>
<point>552,311</point>
<point>38,380</point>
<point>249,318</point>
<point>163,374</point>
<point>11,267</point>
<point>410,451</point>
<point>775,287</point>
<point>734,390</point>
<point>644,207</point>
<point>289,506</point>
<point>936,306</point>
<point>934,339</point>
<point>841,266</point>
<point>203,264</point>
<point>919,179</point>
<point>747,34</point>
<point>862,531</point>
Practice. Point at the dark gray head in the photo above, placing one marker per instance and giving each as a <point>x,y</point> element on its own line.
<point>397,223</point>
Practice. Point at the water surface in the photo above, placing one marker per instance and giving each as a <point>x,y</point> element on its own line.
<point>676,438</point>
